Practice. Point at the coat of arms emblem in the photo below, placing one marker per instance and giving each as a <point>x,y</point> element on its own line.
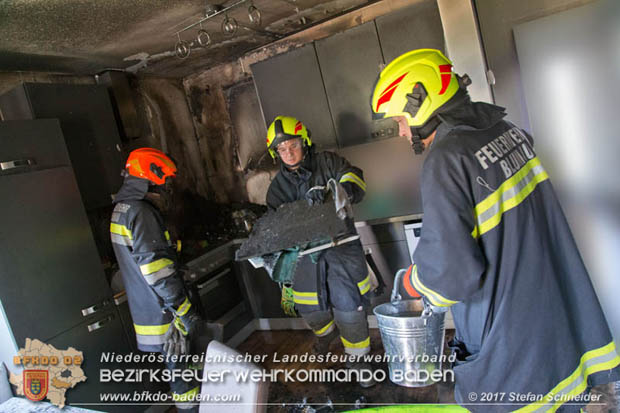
<point>36,384</point>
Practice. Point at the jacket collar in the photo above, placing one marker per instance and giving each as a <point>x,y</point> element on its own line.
<point>468,115</point>
<point>133,189</point>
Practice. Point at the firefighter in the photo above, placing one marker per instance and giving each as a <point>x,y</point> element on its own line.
<point>164,318</point>
<point>495,247</point>
<point>329,292</point>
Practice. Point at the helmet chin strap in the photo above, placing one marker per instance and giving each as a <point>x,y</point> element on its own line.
<point>423,132</point>
<point>416,142</point>
<point>414,101</point>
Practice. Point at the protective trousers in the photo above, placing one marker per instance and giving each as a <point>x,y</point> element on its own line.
<point>183,393</point>
<point>336,280</point>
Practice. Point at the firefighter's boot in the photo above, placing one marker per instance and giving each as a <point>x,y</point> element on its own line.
<point>324,328</point>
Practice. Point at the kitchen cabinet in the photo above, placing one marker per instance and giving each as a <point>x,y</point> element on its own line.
<point>53,285</point>
<point>330,90</point>
<point>290,84</point>
<point>88,126</point>
<point>48,253</point>
<point>101,334</point>
<point>415,27</point>
<point>350,62</point>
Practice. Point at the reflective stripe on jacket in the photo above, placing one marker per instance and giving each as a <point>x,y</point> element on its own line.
<point>147,262</point>
<point>316,169</point>
<point>496,247</point>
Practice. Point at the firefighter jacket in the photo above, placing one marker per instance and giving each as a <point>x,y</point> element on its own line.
<point>316,169</point>
<point>147,262</point>
<point>497,249</point>
<point>338,278</point>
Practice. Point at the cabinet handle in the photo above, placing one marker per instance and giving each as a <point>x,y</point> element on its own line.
<point>213,280</point>
<point>17,163</point>
<point>96,326</point>
<point>120,298</point>
<point>94,308</point>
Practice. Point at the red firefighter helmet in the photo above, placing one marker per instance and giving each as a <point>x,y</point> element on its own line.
<point>151,164</point>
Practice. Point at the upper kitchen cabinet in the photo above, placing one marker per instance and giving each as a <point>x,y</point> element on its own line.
<point>416,27</point>
<point>89,128</point>
<point>350,62</point>
<point>23,147</point>
<point>290,84</point>
<point>330,89</point>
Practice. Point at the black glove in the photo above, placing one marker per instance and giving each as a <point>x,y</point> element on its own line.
<point>175,343</point>
<point>348,188</point>
<point>315,195</point>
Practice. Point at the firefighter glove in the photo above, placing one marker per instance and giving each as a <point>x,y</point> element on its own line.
<point>188,323</point>
<point>348,188</point>
<point>175,343</point>
<point>287,303</point>
<point>315,195</point>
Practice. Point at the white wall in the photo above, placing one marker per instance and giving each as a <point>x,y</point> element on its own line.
<point>463,46</point>
<point>571,76</point>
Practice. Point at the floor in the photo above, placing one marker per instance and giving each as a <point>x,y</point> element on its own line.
<point>286,396</point>
<point>298,397</point>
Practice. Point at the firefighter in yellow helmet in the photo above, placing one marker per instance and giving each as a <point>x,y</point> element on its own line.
<point>165,320</point>
<point>329,292</point>
<point>495,247</point>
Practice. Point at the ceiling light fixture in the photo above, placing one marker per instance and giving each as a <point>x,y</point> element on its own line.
<point>229,26</point>
<point>254,15</point>
<point>182,49</point>
<point>203,37</point>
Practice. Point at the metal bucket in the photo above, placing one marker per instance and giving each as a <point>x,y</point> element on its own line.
<point>413,339</point>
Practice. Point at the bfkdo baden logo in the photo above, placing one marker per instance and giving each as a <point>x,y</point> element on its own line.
<point>36,384</point>
<point>48,372</point>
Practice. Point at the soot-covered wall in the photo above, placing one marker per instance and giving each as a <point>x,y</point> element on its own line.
<point>227,115</point>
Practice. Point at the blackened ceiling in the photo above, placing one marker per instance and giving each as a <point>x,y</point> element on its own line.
<point>91,36</point>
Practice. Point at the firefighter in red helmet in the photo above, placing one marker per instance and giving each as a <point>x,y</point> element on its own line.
<point>164,319</point>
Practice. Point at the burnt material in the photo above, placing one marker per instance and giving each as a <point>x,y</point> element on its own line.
<point>292,225</point>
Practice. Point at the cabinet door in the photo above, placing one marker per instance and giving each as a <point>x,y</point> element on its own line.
<point>38,141</point>
<point>103,334</point>
<point>350,63</point>
<point>49,266</point>
<point>290,84</point>
<point>265,304</point>
<point>14,105</point>
<point>416,27</point>
<point>89,128</point>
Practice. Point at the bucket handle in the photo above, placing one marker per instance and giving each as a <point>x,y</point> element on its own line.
<point>395,297</point>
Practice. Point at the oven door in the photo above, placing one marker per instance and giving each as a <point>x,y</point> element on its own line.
<point>218,292</point>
